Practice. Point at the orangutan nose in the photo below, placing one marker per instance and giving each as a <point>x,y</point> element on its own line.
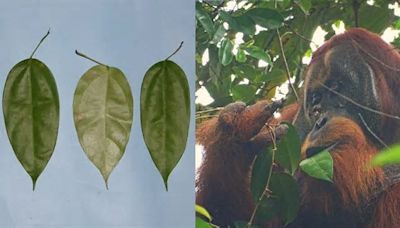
<point>320,123</point>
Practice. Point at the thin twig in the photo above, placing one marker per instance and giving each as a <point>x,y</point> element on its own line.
<point>267,192</point>
<point>209,110</point>
<point>40,42</point>
<point>301,36</point>
<point>173,53</point>
<point>370,131</point>
<point>359,105</point>
<point>356,7</point>
<point>374,58</point>
<point>205,117</point>
<point>286,64</point>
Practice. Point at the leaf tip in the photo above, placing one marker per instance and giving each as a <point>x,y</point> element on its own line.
<point>33,184</point>
<point>106,182</point>
<point>166,185</point>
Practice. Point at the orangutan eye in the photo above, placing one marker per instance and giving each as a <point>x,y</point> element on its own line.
<point>315,98</point>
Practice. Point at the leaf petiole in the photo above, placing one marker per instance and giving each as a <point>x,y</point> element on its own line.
<point>180,46</point>
<point>40,42</point>
<point>87,57</point>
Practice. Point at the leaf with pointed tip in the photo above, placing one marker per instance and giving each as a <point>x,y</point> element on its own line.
<point>260,173</point>
<point>165,115</point>
<point>103,112</point>
<point>225,52</point>
<point>203,212</point>
<point>319,166</point>
<point>31,114</point>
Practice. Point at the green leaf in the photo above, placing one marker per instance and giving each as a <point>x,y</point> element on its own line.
<point>259,53</point>
<point>204,19</point>
<point>375,19</point>
<point>267,18</point>
<point>319,166</point>
<point>241,56</point>
<point>218,35</point>
<point>103,112</point>
<point>284,200</point>
<point>243,93</point>
<point>286,189</point>
<point>200,223</point>
<point>202,211</point>
<point>387,157</point>
<point>288,150</point>
<point>245,24</point>
<point>260,173</point>
<point>31,114</point>
<point>396,24</point>
<point>305,5</point>
<point>269,208</point>
<point>242,24</point>
<point>165,114</point>
<point>276,77</point>
<point>245,71</point>
<point>225,52</point>
<point>31,111</point>
<point>243,224</point>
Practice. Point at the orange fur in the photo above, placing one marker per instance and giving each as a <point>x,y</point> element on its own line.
<point>387,212</point>
<point>353,175</point>
<point>231,160</point>
<point>232,140</point>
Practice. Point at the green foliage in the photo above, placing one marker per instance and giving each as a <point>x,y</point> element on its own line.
<point>288,150</point>
<point>233,73</point>
<point>165,114</point>
<point>103,112</point>
<point>260,173</point>
<point>225,52</point>
<point>200,223</point>
<point>388,156</point>
<point>319,166</point>
<point>202,211</point>
<point>243,224</point>
<point>296,20</point>
<point>285,188</point>
<point>203,218</point>
<point>31,113</point>
<point>276,192</point>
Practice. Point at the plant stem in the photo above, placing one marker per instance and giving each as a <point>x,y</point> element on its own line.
<point>87,57</point>
<point>266,190</point>
<point>40,42</point>
<point>180,45</point>
<point>210,110</point>
<point>286,65</point>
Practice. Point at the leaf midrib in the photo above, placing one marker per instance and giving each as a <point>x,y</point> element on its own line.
<point>33,94</point>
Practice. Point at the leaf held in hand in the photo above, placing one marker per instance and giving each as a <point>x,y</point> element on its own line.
<point>165,114</point>
<point>103,112</point>
<point>31,113</point>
